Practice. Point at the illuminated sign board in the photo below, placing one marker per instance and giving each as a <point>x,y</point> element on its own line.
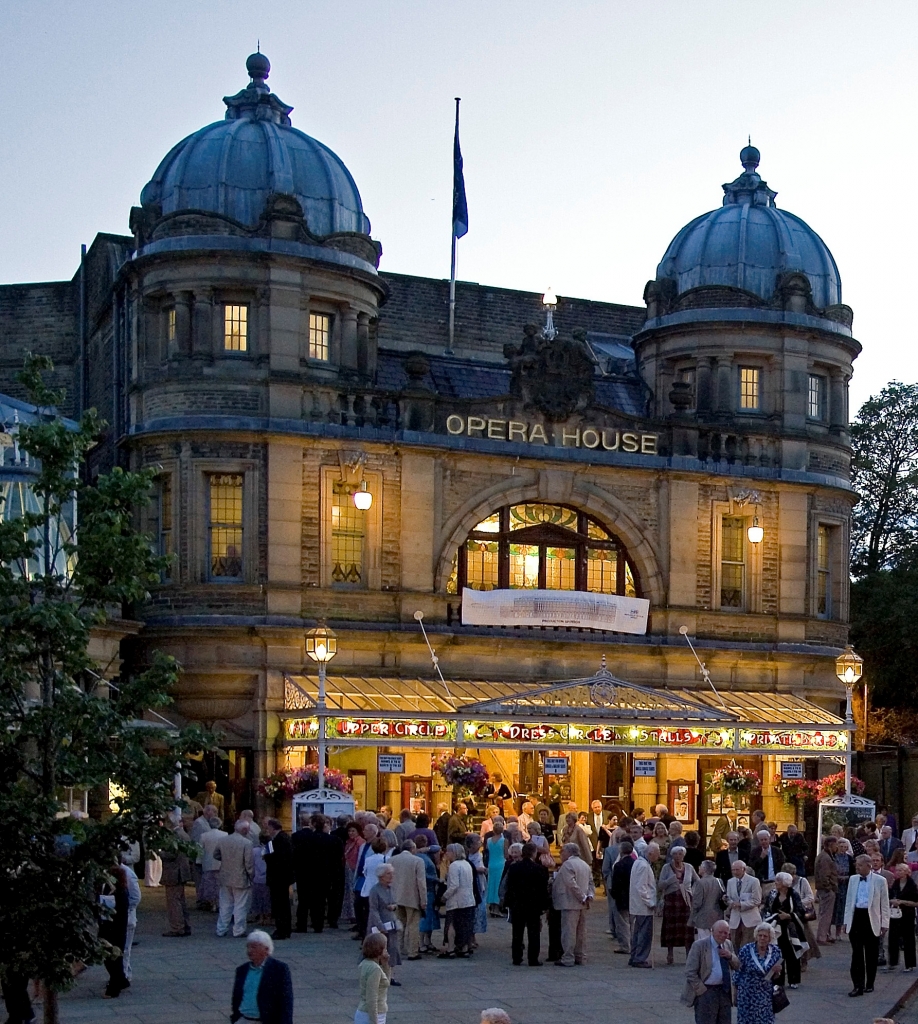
<point>301,729</point>
<point>390,729</point>
<point>515,732</point>
<point>793,739</point>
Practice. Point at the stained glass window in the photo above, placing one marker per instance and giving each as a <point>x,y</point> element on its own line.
<point>541,546</point>
<point>348,537</point>
<point>226,526</point>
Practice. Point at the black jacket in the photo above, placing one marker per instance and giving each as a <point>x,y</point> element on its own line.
<point>724,869</point>
<point>279,864</point>
<point>527,887</point>
<point>441,830</point>
<point>620,886</point>
<point>275,993</point>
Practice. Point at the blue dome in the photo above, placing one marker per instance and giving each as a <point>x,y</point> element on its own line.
<point>231,167</point>
<point>748,242</point>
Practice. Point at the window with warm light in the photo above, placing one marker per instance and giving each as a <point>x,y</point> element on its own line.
<point>815,397</point>
<point>225,526</point>
<point>536,546</point>
<point>749,388</point>
<point>319,335</point>
<point>733,563</point>
<point>348,538</point>
<point>235,328</point>
<point>170,324</point>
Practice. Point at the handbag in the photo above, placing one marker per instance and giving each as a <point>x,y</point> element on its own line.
<point>895,913</point>
<point>779,1000</point>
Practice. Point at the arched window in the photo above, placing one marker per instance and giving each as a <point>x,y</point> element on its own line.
<point>543,547</point>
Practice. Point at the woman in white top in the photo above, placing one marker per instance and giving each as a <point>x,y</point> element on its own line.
<point>374,861</point>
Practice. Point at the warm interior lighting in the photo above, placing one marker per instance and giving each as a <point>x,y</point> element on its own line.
<point>321,643</point>
<point>362,497</point>
<point>549,298</point>
<point>849,666</point>
<point>755,533</point>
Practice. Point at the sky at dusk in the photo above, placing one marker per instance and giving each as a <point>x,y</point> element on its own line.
<point>591,132</point>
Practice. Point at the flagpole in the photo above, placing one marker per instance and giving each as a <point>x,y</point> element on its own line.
<point>452,262</point>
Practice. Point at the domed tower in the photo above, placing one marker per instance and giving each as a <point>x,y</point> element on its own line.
<point>244,328</point>
<point>746,335</point>
<point>253,254</point>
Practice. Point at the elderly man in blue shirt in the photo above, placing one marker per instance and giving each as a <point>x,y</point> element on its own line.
<point>263,990</point>
<point>709,976</point>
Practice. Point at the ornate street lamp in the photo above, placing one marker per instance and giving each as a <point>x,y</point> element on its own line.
<point>849,667</point>
<point>755,533</point>
<point>321,646</point>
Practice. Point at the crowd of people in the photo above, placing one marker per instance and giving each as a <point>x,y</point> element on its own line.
<point>740,907</point>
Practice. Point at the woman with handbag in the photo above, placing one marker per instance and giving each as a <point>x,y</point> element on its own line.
<point>459,900</point>
<point>760,963</point>
<point>784,910</point>
<point>903,899</point>
<point>804,890</point>
<point>677,880</point>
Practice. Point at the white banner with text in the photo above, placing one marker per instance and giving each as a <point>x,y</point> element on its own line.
<point>574,608</point>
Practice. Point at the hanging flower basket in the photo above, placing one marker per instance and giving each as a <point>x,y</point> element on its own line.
<point>464,774</point>
<point>834,785</point>
<point>796,790</point>
<point>301,780</point>
<point>733,778</point>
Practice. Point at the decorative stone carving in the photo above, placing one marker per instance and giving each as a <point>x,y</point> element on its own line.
<point>553,377</point>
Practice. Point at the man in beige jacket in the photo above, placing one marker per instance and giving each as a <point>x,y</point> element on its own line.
<point>237,869</point>
<point>571,893</point>
<point>409,893</point>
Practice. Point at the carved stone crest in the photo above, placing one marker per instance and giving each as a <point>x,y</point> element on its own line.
<point>554,377</point>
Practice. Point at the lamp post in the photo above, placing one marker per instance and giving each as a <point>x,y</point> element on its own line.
<point>849,667</point>
<point>321,646</point>
<point>550,302</point>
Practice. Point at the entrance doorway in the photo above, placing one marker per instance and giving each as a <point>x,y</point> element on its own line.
<point>610,781</point>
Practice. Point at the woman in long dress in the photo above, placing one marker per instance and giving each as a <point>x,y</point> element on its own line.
<point>845,864</point>
<point>785,905</point>
<point>495,848</point>
<point>677,879</point>
<point>351,853</point>
<point>760,963</point>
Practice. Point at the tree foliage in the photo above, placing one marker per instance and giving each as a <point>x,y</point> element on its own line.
<point>59,727</point>
<point>884,469</point>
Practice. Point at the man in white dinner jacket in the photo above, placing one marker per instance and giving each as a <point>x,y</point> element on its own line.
<point>744,897</point>
<point>910,834</point>
<point>866,922</point>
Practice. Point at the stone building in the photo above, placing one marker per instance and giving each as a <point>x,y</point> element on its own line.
<point>691,454</point>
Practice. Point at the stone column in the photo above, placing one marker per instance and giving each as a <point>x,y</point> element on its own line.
<point>724,391</point>
<point>704,389</point>
<point>838,418</point>
<point>181,343</point>
<point>203,332</point>
<point>366,357</point>
<point>349,358</point>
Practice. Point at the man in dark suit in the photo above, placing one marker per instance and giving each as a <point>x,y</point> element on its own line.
<point>279,876</point>
<point>527,897</point>
<point>441,826</point>
<point>723,861</point>
<point>299,842</point>
<point>262,989</point>
<point>600,835</point>
<point>888,845</point>
<point>324,869</point>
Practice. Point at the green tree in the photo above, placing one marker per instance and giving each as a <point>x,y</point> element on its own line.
<point>58,726</point>
<point>884,470</point>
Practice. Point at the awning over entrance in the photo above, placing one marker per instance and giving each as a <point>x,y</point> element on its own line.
<point>599,712</point>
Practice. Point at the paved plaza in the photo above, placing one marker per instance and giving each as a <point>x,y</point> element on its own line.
<point>189,981</point>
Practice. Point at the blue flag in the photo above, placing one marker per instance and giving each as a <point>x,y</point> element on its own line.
<point>460,206</point>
